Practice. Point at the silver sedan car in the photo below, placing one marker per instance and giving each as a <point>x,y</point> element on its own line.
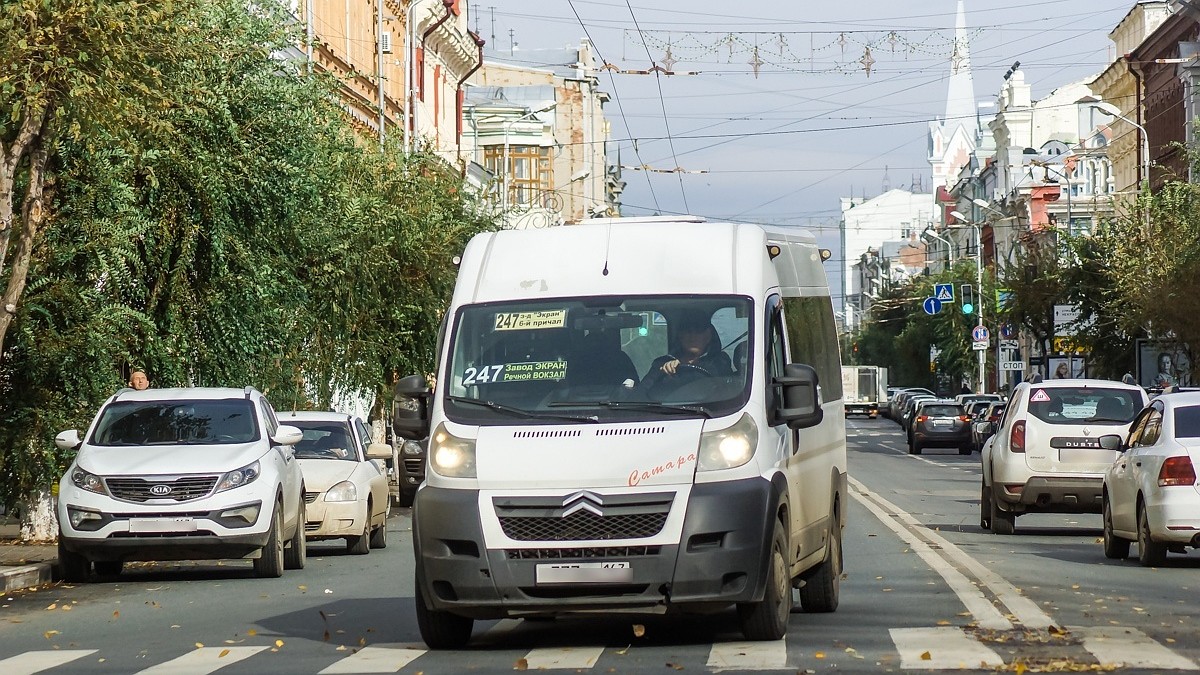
<point>1150,492</point>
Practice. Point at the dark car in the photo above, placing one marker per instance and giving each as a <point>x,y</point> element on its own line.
<point>986,422</point>
<point>939,423</point>
<point>909,411</point>
<point>896,403</point>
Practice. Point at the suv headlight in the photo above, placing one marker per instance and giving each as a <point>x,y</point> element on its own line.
<point>239,477</point>
<point>342,492</point>
<point>88,481</point>
<point>450,455</point>
<point>730,447</point>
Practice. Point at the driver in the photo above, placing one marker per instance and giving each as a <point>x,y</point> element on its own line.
<point>697,347</point>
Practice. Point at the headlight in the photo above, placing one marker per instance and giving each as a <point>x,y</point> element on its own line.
<point>413,448</point>
<point>238,478</point>
<point>342,492</point>
<point>728,448</point>
<point>450,455</point>
<point>88,481</point>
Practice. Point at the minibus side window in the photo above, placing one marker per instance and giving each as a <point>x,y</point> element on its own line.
<point>812,337</point>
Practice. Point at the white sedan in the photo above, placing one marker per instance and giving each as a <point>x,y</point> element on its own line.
<point>1150,491</point>
<point>345,479</point>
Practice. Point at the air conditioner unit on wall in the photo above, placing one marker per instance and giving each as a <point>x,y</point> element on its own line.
<point>385,43</point>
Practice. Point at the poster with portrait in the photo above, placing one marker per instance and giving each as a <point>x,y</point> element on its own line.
<point>1163,364</point>
<point>1061,367</point>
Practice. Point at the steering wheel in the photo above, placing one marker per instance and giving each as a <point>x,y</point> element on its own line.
<point>690,370</point>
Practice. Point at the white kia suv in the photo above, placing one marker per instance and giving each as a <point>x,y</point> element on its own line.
<point>181,474</point>
<point>1046,455</point>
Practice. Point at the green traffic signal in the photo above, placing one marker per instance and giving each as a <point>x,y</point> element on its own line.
<point>968,308</point>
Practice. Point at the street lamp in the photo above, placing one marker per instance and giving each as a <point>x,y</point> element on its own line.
<point>949,249</point>
<point>507,126</point>
<point>1112,110</point>
<point>978,285</point>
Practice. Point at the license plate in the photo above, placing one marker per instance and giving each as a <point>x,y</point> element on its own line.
<point>942,423</point>
<point>585,573</point>
<point>161,525</point>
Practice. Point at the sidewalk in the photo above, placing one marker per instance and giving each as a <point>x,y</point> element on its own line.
<point>23,565</point>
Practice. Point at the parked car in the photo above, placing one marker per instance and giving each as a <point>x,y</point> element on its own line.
<point>1046,455</point>
<point>939,423</point>
<point>964,399</point>
<point>181,474</point>
<point>896,403</point>
<point>1150,491</point>
<point>985,423</point>
<point>412,468</point>
<point>345,478</point>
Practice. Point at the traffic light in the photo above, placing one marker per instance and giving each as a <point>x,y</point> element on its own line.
<point>968,298</point>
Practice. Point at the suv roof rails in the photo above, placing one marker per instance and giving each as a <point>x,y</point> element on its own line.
<point>249,390</point>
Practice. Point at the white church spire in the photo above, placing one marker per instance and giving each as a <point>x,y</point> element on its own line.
<point>952,139</point>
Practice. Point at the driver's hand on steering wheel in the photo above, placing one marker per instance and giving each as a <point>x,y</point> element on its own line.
<point>670,366</point>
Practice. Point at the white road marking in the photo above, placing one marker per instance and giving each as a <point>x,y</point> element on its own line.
<point>748,656</point>
<point>202,661</point>
<point>387,658</point>
<point>972,598</point>
<point>563,657</point>
<point>1129,648</point>
<point>35,662</point>
<point>947,647</point>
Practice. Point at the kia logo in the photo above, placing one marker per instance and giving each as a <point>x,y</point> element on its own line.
<point>160,490</point>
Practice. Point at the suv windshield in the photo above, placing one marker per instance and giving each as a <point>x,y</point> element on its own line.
<point>1080,405</point>
<point>200,422</point>
<point>591,359</point>
<point>324,440</point>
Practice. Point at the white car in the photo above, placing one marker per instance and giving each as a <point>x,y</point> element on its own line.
<point>1046,456</point>
<point>1150,491</point>
<point>346,478</point>
<point>181,474</point>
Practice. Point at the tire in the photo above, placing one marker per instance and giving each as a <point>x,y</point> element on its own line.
<point>985,507</point>
<point>965,450</point>
<point>441,630</point>
<point>74,566</point>
<point>821,589</point>
<point>767,619</point>
<point>1115,548</point>
<point>915,449</point>
<point>361,544</point>
<point>108,568</point>
<point>379,535</point>
<point>296,553</point>
<point>1003,522</point>
<point>406,496</point>
<point>1150,553</point>
<point>270,563</point>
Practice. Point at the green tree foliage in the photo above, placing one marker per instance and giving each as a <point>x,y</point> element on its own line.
<point>219,224</point>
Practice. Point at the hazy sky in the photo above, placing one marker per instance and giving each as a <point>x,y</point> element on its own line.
<point>782,145</point>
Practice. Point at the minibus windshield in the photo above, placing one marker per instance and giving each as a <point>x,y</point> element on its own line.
<point>669,355</point>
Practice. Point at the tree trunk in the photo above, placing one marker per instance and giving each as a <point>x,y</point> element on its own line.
<point>33,212</point>
<point>33,130</point>
<point>38,519</point>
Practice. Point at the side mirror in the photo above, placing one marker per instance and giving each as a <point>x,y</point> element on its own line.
<point>287,434</point>
<point>68,440</point>
<point>800,401</point>
<point>1112,442</point>
<point>410,407</point>
<point>379,451</point>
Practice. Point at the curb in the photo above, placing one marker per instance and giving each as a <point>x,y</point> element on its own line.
<point>20,577</point>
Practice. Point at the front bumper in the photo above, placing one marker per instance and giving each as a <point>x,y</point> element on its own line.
<point>332,520</point>
<point>720,559</point>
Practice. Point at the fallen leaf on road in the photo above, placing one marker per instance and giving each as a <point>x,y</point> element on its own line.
<point>175,625</point>
<point>67,608</point>
<point>251,632</point>
<point>53,605</point>
<point>521,664</point>
<point>116,614</point>
<point>638,630</point>
<point>49,634</point>
<point>302,587</point>
<point>943,622</point>
<point>199,645</point>
<point>340,648</point>
<point>223,654</point>
<point>674,666</point>
<point>622,652</point>
<point>279,643</point>
<point>234,642</point>
<point>819,655</point>
<point>926,656</point>
<point>328,591</point>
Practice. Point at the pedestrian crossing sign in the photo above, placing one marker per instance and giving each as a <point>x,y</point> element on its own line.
<point>944,292</point>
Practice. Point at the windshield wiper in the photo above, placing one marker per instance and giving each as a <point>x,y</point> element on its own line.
<point>640,405</point>
<point>534,414</point>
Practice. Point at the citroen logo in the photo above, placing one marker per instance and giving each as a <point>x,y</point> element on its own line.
<point>160,490</point>
<point>583,501</point>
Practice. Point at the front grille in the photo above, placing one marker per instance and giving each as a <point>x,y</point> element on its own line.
<point>182,489</point>
<point>414,467</point>
<point>312,527</point>
<point>581,553</point>
<point>310,497</point>
<point>584,526</point>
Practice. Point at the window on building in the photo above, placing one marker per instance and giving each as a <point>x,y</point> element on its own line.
<point>528,170</point>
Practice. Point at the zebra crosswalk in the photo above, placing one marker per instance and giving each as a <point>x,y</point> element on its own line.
<point>921,648</point>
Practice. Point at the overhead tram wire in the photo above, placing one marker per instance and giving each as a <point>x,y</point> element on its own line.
<point>621,108</point>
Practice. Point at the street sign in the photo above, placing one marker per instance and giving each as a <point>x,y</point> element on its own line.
<point>944,292</point>
<point>1012,365</point>
<point>1009,344</point>
<point>932,305</point>
<point>980,346</point>
<point>1007,330</point>
<point>980,334</point>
